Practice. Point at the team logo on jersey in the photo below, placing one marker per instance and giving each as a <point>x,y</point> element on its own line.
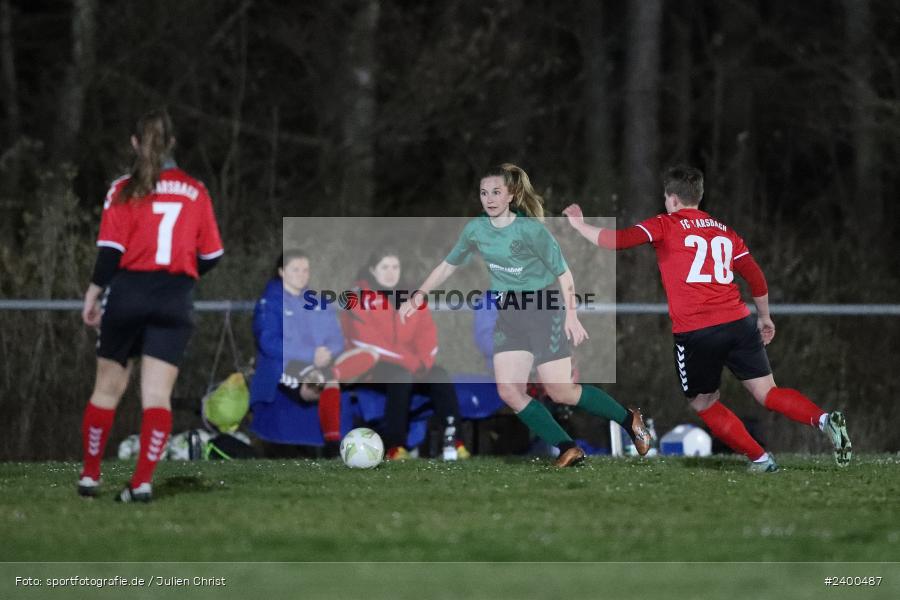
<point>517,248</point>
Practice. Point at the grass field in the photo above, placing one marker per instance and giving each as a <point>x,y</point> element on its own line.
<point>483,510</point>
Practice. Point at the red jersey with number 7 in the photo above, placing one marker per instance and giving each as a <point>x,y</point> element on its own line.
<point>697,257</point>
<point>165,230</point>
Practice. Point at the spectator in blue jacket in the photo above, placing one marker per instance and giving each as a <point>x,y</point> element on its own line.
<point>295,348</point>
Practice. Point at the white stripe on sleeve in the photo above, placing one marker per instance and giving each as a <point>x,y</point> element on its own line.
<point>377,349</point>
<point>110,244</point>
<point>215,254</point>
<point>645,231</point>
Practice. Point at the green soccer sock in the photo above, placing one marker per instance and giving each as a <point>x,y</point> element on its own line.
<point>539,420</point>
<point>597,402</point>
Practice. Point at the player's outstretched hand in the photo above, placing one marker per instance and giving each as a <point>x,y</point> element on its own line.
<point>766,329</point>
<point>574,215</point>
<point>412,305</point>
<point>575,331</point>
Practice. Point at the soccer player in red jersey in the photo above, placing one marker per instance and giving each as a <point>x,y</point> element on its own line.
<point>698,257</point>
<point>158,234</point>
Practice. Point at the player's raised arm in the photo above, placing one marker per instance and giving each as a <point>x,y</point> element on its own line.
<point>439,275</point>
<point>576,219</point>
<point>611,239</point>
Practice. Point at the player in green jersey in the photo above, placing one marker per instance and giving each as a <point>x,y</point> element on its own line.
<point>525,262</point>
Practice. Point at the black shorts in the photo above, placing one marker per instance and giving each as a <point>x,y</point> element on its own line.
<point>701,354</point>
<point>146,314</point>
<point>524,326</point>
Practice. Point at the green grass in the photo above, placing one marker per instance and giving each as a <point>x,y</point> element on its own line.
<point>489,528</point>
<point>486,509</point>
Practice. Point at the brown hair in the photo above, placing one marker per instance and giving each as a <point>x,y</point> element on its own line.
<point>155,142</point>
<point>518,184</point>
<point>378,255</point>
<point>685,182</point>
<point>286,257</point>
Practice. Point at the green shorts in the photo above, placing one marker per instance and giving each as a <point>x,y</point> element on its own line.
<point>540,331</point>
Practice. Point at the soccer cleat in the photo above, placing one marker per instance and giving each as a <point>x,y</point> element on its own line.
<point>397,453</point>
<point>638,432</point>
<point>767,466</point>
<point>462,453</point>
<point>836,430</point>
<point>88,487</point>
<point>142,493</point>
<point>570,458</point>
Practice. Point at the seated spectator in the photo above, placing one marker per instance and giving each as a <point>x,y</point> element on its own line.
<point>407,352</point>
<point>299,359</point>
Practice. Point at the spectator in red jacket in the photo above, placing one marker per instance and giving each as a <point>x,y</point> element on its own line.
<point>406,350</point>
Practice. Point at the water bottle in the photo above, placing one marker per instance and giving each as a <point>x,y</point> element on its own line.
<point>450,452</point>
<point>195,445</point>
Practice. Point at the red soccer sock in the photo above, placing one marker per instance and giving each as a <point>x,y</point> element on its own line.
<point>794,406</point>
<point>352,364</point>
<point>156,423</point>
<point>330,413</point>
<point>95,428</point>
<point>726,426</point>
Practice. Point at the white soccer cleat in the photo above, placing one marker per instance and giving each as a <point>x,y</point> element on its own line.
<point>836,430</point>
<point>767,466</point>
<point>142,493</point>
<point>88,487</point>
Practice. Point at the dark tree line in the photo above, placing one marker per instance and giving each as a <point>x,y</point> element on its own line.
<point>377,107</point>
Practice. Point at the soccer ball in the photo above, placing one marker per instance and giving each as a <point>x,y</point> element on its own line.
<point>130,447</point>
<point>362,448</point>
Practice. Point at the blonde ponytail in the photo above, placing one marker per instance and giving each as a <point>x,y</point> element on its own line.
<point>519,185</point>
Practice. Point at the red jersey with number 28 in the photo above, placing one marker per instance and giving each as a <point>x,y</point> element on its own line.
<point>165,230</point>
<point>697,257</point>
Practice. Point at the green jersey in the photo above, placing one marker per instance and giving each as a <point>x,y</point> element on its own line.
<point>521,256</point>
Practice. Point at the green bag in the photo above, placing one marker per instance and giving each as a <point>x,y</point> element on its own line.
<point>227,405</point>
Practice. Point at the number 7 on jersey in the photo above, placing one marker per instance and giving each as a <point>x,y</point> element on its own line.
<point>170,212</point>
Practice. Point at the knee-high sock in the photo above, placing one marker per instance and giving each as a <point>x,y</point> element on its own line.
<point>95,428</point>
<point>794,405</point>
<point>539,420</point>
<point>726,426</point>
<point>330,413</point>
<point>156,424</point>
<point>597,402</point>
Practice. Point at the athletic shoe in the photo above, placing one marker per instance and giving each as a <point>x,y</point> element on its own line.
<point>767,466</point>
<point>462,453</point>
<point>571,457</point>
<point>142,493</point>
<point>397,453</point>
<point>836,430</point>
<point>638,432</point>
<point>88,487</point>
